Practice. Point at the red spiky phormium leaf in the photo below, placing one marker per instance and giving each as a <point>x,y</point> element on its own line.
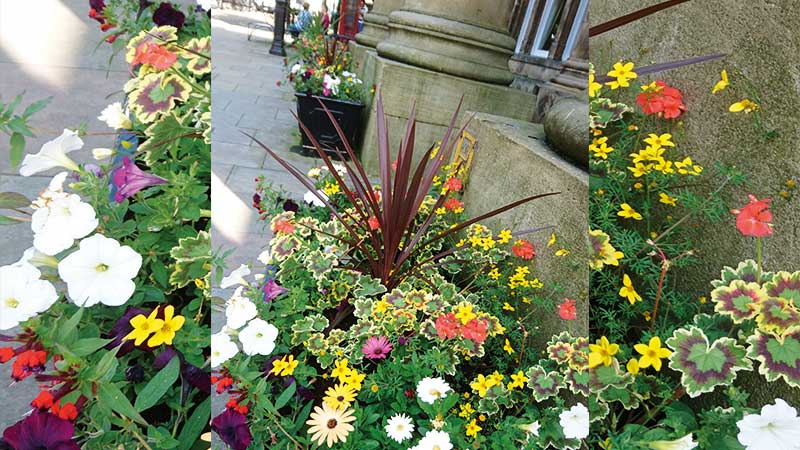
<point>388,229</point>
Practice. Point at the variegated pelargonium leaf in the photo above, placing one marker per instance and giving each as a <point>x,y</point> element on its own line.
<point>579,358</point>
<point>598,409</point>
<point>197,64</point>
<point>157,94</point>
<point>629,398</point>
<point>747,270</point>
<point>603,111</point>
<point>319,263</point>
<point>602,377</point>
<point>578,381</point>
<point>739,300</point>
<point>776,315</point>
<point>367,286</point>
<point>284,246</point>
<point>702,366</point>
<point>559,352</point>
<point>784,285</point>
<point>158,35</point>
<point>779,356</point>
<point>544,384</point>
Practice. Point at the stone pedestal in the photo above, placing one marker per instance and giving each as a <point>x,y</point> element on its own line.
<point>376,22</point>
<point>572,81</point>
<point>465,38</point>
<point>437,97</point>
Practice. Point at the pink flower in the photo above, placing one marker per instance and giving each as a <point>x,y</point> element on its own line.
<point>523,249</point>
<point>475,330</point>
<point>374,224</point>
<point>376,347</point>
<point>567,310</point>
<point>754,218</point>
<point>129,179</point>
<point>446,326</point>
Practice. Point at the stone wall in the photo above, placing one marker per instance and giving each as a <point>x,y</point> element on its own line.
<point>762,43</point>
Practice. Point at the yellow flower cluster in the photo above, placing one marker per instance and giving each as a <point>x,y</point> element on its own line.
<point>284,367</point>
<point>651,158</point>
<point>482,383</point>
<point>600,148</point>
<point>603,253</point>
<point>349,384</point>
<point>520,279</point>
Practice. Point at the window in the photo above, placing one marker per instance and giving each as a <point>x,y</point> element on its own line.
<point>550,28</point>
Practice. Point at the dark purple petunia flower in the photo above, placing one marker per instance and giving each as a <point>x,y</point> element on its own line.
<point>41,431</point>
<point>289,205</point>
<point>121,329</point>
<point>196,377</point>
<point>97,5</point>
<point>134,373</point>
<point>231,426</point>
<point>166,14</point>
<point>272,290</point>
<point>129,179</point>
<point>165,357</point>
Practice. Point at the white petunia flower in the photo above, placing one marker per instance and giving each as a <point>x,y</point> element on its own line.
<point>239,309</point>
<point>102,153</point>
<point>53,154</point>
<point>430,389</point>
<point>331,83</point>
<point>265,257</point>
<point>22,294</point>
<point>222,348</point>
<point>100,271</point>
<point>115,117</point>
<point>575,422</point>
<point>399,427</point>
<point>60,218</point>
<point>776,428</point>
<point>684,443</point>
<point>434,440</point>
<point>314,172</point>
<point>531,428</point>
<point>296,68</point>
<point>236,277</point>
<point>258,337</point>
<point>36,259</point>
<point>314,200</point>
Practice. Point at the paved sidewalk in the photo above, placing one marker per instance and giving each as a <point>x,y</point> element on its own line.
<point>246,98</point>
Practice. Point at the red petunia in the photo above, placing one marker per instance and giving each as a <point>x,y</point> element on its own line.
<point>475,330</point>
<point>663,101</point>
<point>567,310</point>
<point>453,204</point>
<point>154,55</point>
<point>754,219</point>
<point>447,326</point>
<point>453,184</point>
<point>523,249</point>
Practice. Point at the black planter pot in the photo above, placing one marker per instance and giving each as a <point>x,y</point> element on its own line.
<point>311,114</point>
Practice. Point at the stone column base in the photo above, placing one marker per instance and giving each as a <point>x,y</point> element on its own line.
<point>375,30</point>
<point>437,97</point>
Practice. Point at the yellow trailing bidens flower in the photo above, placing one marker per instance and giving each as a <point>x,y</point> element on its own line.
<point>652,353</point>
<point>473,428</point>
<point>722,83</point>
<point>623,73</point>
<point>627,290</point>
<point>284,367</point>
<point>603,253</point>
<point>745,105</point>
<point>594,87</point>
<point>163,330</point>
<point>628,212</point>
<point>602,352</point>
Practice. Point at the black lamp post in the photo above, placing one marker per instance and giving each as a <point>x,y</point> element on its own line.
<point>279,29</point>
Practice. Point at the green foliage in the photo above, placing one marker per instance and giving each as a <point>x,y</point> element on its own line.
<point>16,126</point>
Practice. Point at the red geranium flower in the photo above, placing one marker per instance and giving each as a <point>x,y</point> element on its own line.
<point>567,310</point>
<point>754,218</point>
<point>155,55</point>
<point>283,226</point>
<point>475,330</point>
<point>447,326</point>
<point>661,100</point>
<point>453,184</point>
<point>374,224</point>
<point>523,249</point>
<point>453,204</point>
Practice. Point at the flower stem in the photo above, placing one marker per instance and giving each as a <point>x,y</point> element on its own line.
<point>759,256</point>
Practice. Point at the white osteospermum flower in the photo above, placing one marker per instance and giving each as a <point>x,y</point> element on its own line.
<point>314,200</point>
<point>22,294</point>
<point>399,427</point>
<point>236,277</point>
<point>430,389</point>
<point>434,440</point>
<point>575,422</point>
<point>53,154</point>
<point>100,271</point>
<point>776,428</point>
<point>258,337</point>
<point>238,310</point>
<point>684,443</point>
<point>60,218</point>
<point>115,117</point>
<point>222,348</point>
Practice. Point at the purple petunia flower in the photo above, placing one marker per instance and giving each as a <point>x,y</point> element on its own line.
<point>291,205</point>
<point>166,14</point>
<point>200,379</point>
<point>129,179</point>
<point>121,329</point>
<point>41,430</point>
<point>231,426</point>
<point>272,290</point>
<point>376,347</point>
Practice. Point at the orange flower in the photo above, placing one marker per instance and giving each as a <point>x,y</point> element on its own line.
<point>453,184</point>
<point>43,401</point>
<point>453,203</point>
<point>754,218</point>
<point>66,412</point>
<point>374,224</point>
<point>154,55</point>
<point>523,249</point>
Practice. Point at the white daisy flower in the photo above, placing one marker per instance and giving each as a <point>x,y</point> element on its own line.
<point>399,427</point>
<point>434,440</point>
<point>258,337</point>
<point>22,294</point>
<point>430,389</point>
<point>100,271</point>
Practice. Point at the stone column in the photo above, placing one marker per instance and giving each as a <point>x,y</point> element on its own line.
<point>376,22</point>
<point>464,38</point>
<point>573,80</point>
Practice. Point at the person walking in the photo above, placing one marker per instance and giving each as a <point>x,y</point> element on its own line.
<point>302,22</point>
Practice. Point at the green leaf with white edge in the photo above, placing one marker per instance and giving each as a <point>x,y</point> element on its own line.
<point>195,425</point>
<point>12,200</point>
<point>110,395</point>
<point>158,385</point>
<point>287,395</point>
<point>17,143</point>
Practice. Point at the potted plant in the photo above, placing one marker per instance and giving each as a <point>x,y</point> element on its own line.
<point>323,75</point>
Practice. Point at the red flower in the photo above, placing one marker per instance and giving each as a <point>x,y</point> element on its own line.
<point>234,405</point>
<point>283,226</point>
<point>453,184</point>
<point>106,26</point>
<point>43,401</point>
<point>567,310</point>
<point>27,363</point>
<point>754,218</point>
<point>475,330</point>
<point>111,38</point>
<point>523,249</point>
<point>453,204</point>
<point>223,384</point>
<point>410,393</point>
<point>374,224</point>
<point>447,326</point>
<point>154,55</point>
<point>662,100</point>
<point>6,353</point>
<point>66,412</point>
